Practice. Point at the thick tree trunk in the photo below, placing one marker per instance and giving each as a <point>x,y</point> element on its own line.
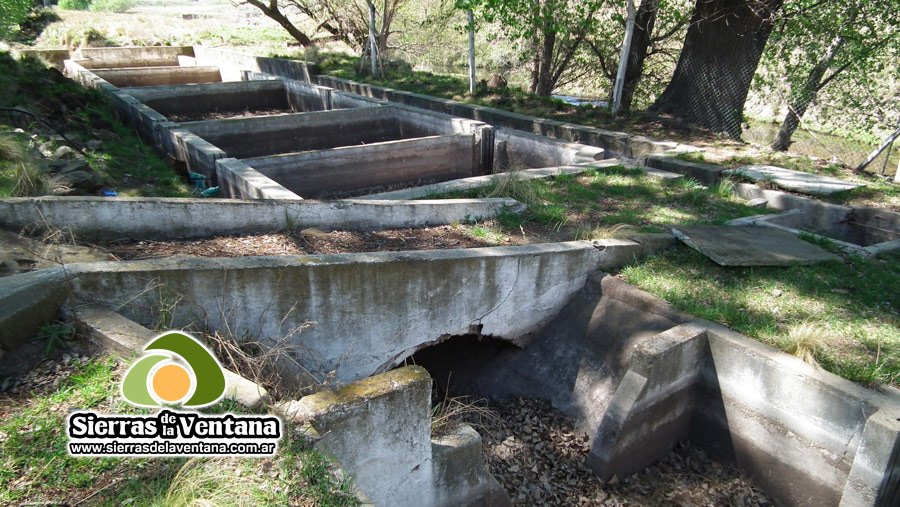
<point>644,21</point>
<point>271,10</point>
<point>802,98</point>
<point>545,82</point>
<point>721,51</point>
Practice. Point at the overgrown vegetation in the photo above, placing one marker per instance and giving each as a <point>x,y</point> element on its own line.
<point>123,162</point>
<point>846,315</point>
<point>35,467</point>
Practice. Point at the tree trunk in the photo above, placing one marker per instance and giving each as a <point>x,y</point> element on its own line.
<point>721,51</point>
<point>545,82</point>
<point>274,13</point>
<point>644,21</point>
<point>801,99</point>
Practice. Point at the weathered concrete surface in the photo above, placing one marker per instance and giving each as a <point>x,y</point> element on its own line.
<point>139,56</point>
<point>168,218</point>
<point>52,57</point>
<point>233,63</point>
<point>201,99</point>
<point>616,253</point>
<point>29,254</point>
<point>805,435</point>
<point>352,168</point>
<point>28,300</point>
<point>379,429</point>
<point>751,246</point>
<point>805,183</point>
<point>240,181</point>
<point>617,143</point>
<point>706,174</point>
<point>157,76</point>
<point>475,182</point>
<point>371,310</point>
<point>652,405</point>
<point>518,150</point>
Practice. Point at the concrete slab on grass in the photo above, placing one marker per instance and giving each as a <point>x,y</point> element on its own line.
<point>804,183</point>
<point>751,246</point>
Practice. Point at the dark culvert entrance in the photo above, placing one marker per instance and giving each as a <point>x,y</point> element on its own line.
<point>537,452</point>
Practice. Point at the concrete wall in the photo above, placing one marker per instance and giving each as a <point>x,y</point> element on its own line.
<point>233,62</point>
<point>617,143</point>
<point>707,174</point>
<point>261,136</point>
<point>103,218</point>
<point>141,56</point>
<point>517,150</point>
<point>618,360</point>
<point>353,168</point>
<point>157,76</point>
<point>371,310</point>
<point>27,301</point>
<point>200,99</point>
<point>379,429</point>
<point>240,181</point>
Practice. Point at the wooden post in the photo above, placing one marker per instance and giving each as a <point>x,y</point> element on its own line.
<point>372,35</point>
<point>471,19</point>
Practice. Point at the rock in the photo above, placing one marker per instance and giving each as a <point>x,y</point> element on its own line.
<point>497,82</point>
<point>46,149</point>
<point>74,182</point>
<point>759,202</point>
<point>64,152</point>
<point>66,166</point>
<point>95,145</point>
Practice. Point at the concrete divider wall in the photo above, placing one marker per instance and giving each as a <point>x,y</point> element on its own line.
<point>103,218</point>
<point>27,301</point>
<point>707,174</point>
<point>233,62</point>
<point>262,136</point>
<point>199,99</point>
<point>138,56</point>
<point>515,150</point>
<point>240,181</point>
<point>618,143</point>
<point>351,168</point>
<point>371,310</point>
<point>157,76</point>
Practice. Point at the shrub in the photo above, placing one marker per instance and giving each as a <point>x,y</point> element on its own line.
<point>12,13</point>
<point>112,5</point>
<point>74,5</point>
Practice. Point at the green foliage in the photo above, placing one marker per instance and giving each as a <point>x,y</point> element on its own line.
<point>75,5</point>
<point>12,14</point>
<point>111,5</point>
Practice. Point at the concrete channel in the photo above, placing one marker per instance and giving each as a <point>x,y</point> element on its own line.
<point>538,321</point>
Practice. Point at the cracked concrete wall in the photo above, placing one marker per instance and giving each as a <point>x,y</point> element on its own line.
<point>371,310</point>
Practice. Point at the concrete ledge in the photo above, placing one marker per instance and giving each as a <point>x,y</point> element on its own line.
<point>157,76</point>
<point>352,168</point>
<point>27,301</point>
<point>233,62</point>
<point>136,56</point>
<point>103,218</point>
<point>240,181</point>
<point>515,150</point>
<point>476,182</point>
<point>125,337</point>
<point>213,97</point>
<point>616,253</point>
<point>707,174</point>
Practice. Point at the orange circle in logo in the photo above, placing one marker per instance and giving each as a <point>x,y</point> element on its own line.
<point>171,383</point>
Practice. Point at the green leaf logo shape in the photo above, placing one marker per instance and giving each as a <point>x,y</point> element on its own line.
<point>184,353</point>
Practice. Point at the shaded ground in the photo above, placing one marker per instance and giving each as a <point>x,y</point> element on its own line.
<point>536,454</point>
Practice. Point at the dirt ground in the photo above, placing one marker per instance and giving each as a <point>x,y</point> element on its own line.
<point>537,455</point>
<point>308,241</point>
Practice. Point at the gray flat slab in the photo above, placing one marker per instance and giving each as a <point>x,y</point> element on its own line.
<point>804,183</point>
<point>751,246</point>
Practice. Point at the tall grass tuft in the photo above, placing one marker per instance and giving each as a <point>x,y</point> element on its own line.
<point>29,181</point>
<point>804,341</point>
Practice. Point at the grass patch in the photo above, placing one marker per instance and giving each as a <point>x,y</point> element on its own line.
<point>855,304</point>
<point>35,467</point>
